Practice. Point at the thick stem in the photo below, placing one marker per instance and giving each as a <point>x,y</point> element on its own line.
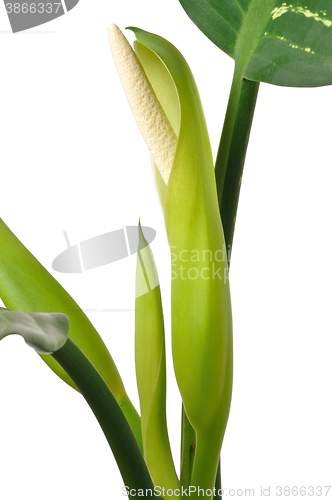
<point>206,470</point>
<point>188,447</point>
<point>232,150</point>
<point>205,467</point>
<point>117,431</point>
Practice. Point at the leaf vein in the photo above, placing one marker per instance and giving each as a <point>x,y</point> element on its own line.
<point>219,15</point>
<point>240,6</point>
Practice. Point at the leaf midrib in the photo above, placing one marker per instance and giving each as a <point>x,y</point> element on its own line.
<point>251,31</point>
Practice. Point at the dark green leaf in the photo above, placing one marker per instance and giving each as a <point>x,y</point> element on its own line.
<point>271,41</point>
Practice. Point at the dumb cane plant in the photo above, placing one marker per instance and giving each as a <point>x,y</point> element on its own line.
<point>271,42</point>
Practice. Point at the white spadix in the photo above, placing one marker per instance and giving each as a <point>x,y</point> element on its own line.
<point>150,117</point>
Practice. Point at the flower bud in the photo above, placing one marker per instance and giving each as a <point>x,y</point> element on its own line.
<point>201,307</point>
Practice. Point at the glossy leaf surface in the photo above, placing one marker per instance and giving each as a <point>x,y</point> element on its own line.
<point>46,333</point>
<point>271,40</point>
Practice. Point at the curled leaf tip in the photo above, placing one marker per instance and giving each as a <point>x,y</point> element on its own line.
<point>150,117</point>
<point>44,332</point>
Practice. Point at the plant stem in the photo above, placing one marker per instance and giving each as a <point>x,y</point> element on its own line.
<point>188,445</point>
<point>114,424</point>
<point>230,162</point>
<point>232,150</point>
<point>217,485</point>
<point>205,466</point>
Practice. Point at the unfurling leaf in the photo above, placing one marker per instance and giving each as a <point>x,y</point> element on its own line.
<point>151,369</point>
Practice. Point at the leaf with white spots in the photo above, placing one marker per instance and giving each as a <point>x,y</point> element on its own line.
<point>271,41</point>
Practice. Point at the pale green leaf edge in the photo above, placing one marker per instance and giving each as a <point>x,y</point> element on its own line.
<point>44,332</point>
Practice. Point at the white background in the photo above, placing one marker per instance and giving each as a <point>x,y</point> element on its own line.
<point>72,160</point>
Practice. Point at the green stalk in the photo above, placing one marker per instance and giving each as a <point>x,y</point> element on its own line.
<point>188,445</point>
<point>204,472</point>
<point>114,424</point>
<point>230,162</point>
<point>217,486</point>
<point>232,150</point>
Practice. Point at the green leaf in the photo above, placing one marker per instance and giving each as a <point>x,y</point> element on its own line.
<point>25,285</point>
<point>151,369</point>
<point>44,332</point>
<point>201,310</point>
<point>271,41</point>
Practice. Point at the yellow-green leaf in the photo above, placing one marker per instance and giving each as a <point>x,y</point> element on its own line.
<point>25,285</point>
<point>151,369</point>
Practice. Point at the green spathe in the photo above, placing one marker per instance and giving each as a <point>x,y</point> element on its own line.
<point>271,40</point>
<point>201,309</point>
